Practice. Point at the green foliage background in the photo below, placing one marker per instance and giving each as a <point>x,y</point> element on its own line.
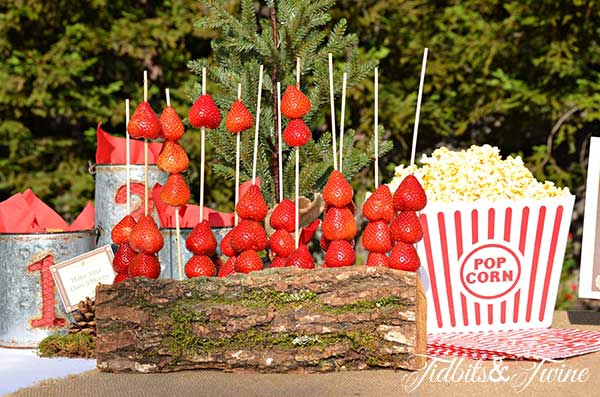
<point>523,75</point>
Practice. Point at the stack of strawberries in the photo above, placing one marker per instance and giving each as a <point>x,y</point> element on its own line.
<point>339,226</point>
<point>376,238</point>
<point>283,221</point>
<point>406,229</point>
<point>120,236</point>
<point>204,113</point>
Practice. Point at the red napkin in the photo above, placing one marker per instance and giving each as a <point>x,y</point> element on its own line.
<point>189,214</point>
<point>112,150</point>
<point>26,213</point>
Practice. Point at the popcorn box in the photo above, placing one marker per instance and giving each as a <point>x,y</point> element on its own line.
<point>493,265</point>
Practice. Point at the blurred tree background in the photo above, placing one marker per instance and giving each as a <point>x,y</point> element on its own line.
<point>522,75</point>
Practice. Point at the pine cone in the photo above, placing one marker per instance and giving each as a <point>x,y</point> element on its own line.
<point>84,318</point>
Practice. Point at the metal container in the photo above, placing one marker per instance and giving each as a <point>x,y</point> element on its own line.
<point>30,308</point>
<point>168,255</point>
<point>111,195</point>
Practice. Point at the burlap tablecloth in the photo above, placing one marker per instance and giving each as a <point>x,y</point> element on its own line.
<point>365,383</point>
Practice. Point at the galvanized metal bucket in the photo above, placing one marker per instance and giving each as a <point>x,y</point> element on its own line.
<point>30,308</point>
<point>169,267</point>
<point>111,195</point>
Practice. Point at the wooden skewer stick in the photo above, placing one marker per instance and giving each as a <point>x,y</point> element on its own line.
<point>255,154</point>
<point>146,150</point>
<point>127,157</point>
<point>417,115</point>
<point>345,78</point>
<point>297,175</point>
<point>202,142</point>
<point>237,162</point>
<point>177,228</point>
<point>331,95</point>
<point>279,139</point>
<point>376,88</point>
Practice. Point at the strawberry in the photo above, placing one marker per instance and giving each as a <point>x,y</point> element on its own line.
<point>120,277</point>
<point>339,224</point>
<point>252,205</point>
<point>406,227</point>
<point>204,113</point>
<point>337,191</point>
<point>282,243</point>
<point>171,125</point>
<point>248,261</point>
<point>144,123</point>
<point>228,268</point>
<point>226,247</point>
<point>301,258</point>
<point>410,195</point>
<point>404,257</point>
<point>239,118</point>
<point>172,158</point>
<point>145,236</point>
<point>123,258</point>
<point>294,104</point>
<point>339,254</point>
<point>122,230</point>
<point>380,205</point>
<point>201,240</point>
<point>278,262</point>
<point>249,235</point>
<point>144,265</point>
<point>296,133</point>
<point>284,216</point>
<point>377,259</point>
<point>175,192</point>
<point>200,266</point>
<point>376,237</point>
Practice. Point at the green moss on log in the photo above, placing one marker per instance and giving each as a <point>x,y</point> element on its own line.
<point>70,345</point>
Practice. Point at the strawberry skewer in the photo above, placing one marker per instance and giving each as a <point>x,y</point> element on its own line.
<point>331,95</point>
<point>345,78</point>
<point>279,142</point>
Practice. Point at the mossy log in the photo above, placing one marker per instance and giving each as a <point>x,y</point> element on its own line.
<point>277,320</point>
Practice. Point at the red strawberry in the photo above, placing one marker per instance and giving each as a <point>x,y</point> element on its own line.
<point>122,230</point>
<point>200,266</point>
<point>301,258</point>
<point>144,265</point>
<point>376,237</point>
<point>337,191</point>
<point>144,123</point>
<point>278,262</point>
<point>377,259</point>
<point>339,224</point>
<point>145,236</point>
<point>226,247</point>
<point>340,253</point>
<point>380,205</point>
<point>228,268</point>
<point>406,227</point>
<point>410,195</point>
<point>324,243</point>
<point>171,125</point>
<point>248,261</point>
<point>284,216</point>
<point>201,240</point>
<point>249,235</point>
<point>296,133</point>
<point>239,118</point>
<point>294,104</point>
<point>175,192</point>
<point>282,243</point>
<point>123,258</point>
<point>172,158</point>
<point>252,205</point>
<point>120,277</point>
<point>205,113</point>
<point>404,257</point>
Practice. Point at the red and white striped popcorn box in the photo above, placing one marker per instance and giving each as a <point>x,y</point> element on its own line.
<point>493,265</point>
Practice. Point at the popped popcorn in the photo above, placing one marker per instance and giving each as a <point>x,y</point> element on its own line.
<point>474,174</point>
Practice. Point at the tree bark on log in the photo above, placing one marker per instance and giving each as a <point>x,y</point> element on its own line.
<point>276,320</point>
